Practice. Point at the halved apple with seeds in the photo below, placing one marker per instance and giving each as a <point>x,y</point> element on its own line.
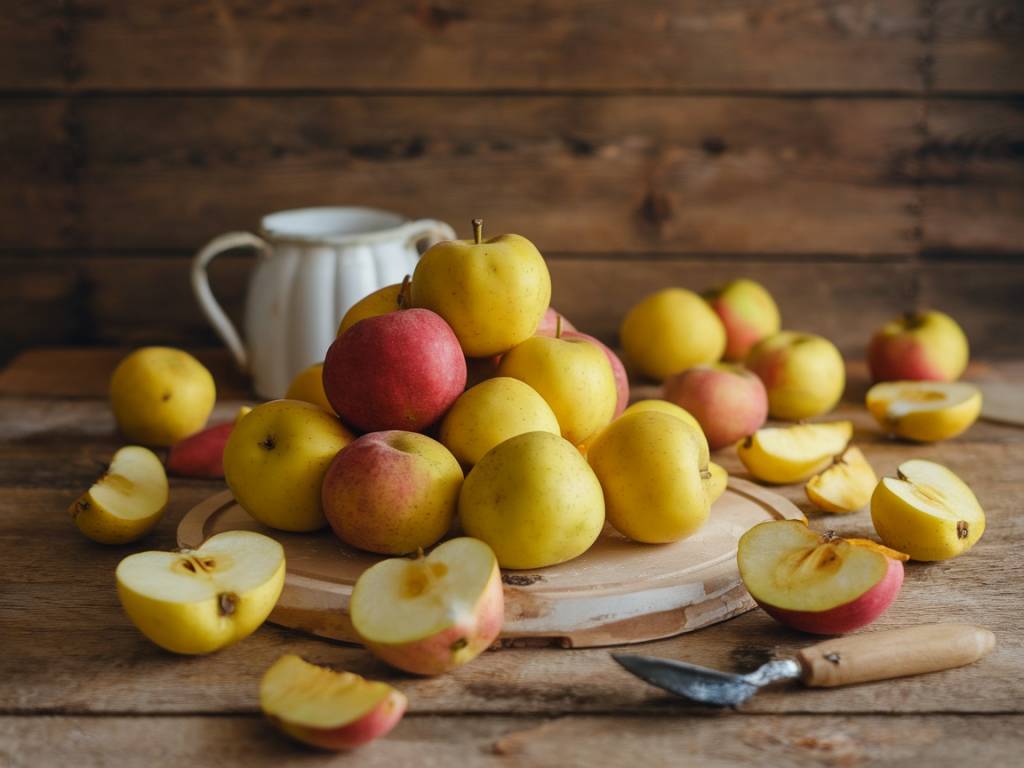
<point>783,455</point>
<point>846,486</point>
<point>818,583</point>
<point>431,614</point>
<point>127,501</point>
<point>927,512</point>
<point>328,709</point>
<point>202,600</point>
<point>925,411</point>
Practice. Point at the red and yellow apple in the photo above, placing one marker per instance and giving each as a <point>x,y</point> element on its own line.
<point>431,614</point>
<point>728,401</point>
<point>401,370</point>
<point>804,374</point>
<point>327,709</point>
<point>747,311</point>
<point>392,492</point>
<point>618,369</point>
<point>552,321</point>
<point>923,346</point>
<point>817,583</point>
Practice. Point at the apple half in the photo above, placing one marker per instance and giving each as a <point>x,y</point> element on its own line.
<point>431,614</point>
<point>924,411</point>
<point>844,487</point>
<point>127,501</point>
<point>927,512</point>
<point>202,600</point>
<point>817,583</point>
<point>784,455</point>
<point>328,709</point>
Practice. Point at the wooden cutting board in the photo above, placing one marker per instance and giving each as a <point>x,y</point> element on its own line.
<point>617,592</point>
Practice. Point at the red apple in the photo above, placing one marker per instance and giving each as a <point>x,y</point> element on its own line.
<point>548,325</point>
<point>747,311</point>
<point>729,401</point>
<point>618,369</point>
<point>920,346</point>
<point>200,454</point>
<point>817,583</point>
<point>392,492</point>
<point>401,370</point>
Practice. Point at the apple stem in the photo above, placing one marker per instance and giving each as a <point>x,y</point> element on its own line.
<point>478,231</point>
<point>403,292</point>
<point>558,327</point>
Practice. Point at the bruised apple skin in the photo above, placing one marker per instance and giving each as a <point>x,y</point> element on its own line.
<point>433,614</point>
<point>817,583</point>
<point>328,709</point>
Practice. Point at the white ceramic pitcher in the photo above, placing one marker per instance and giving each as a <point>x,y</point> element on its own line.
<point>312,265</point>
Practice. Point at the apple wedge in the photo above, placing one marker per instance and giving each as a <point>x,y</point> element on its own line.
<point>846,486</point>
<point>927,512</point>
<point>431,614</point>
<point>816,583</point>
<point>127,500</point>
<point>925,411</point>
<point>202,600</point>
<point>328,709</point>
<point>783,455</point>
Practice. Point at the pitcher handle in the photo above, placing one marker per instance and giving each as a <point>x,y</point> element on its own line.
<point>201,287</point>
<point>434,230</point>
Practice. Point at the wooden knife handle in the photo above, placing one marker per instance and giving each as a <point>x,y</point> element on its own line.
<point>893,653</point>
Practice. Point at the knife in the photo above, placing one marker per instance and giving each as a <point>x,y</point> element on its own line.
<point>842,661</point>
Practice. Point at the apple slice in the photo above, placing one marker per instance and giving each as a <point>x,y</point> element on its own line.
<point>202,600</point>
<point>927,512</point>
<point>328,709</point>
<point>716,482</point>
<point>791,454</point>
<point>846,486</point>
<point>127,500</point>
<point>431,614</point>
<point>925,411</point>
<point>816,583</point>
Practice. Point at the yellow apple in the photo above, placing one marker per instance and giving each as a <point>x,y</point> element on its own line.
<point>493,293</point>
<point>492,412</point>
<point>572,375</point>
<point>534,500</point>
<point>327,709</point>
<point>275,461</point>
<point>925,411</point>
<point>846,486</point>
<point>390,298</point>
<point>804,374</point>
<point>927,512</point>
<point>669,331</point>
<point>308,386</point>
<point>784,455</point>
<point>649,466</point>
<point>202,600</point>
<point>127,501</point>
<point>665,407</point>
<point>161,395</point>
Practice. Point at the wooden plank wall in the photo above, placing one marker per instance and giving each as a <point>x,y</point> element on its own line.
<point>859,157</point>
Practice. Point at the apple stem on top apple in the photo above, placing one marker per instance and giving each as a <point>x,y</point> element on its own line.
<point>478,231</point>
<point>403,292</point>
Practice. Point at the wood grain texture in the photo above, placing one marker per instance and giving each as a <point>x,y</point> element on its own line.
<point>568,742</point>
<point>33,44</point>
<point>460,45</point>
<point>975,46</point>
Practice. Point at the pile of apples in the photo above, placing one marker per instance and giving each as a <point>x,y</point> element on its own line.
<point>460,402</point>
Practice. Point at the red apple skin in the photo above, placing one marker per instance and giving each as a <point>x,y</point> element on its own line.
<point>401,370</point>
<point>845,618</point>
<point>481,368</point>
<point>374,724</point>
<point>901,358</point>
<point>618,369</point>
<point>729,401</point>
<point>473,635</point>
<point>200,454</point>
<point>548,324</point>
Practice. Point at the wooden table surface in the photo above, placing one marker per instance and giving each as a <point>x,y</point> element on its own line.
<point>80,686</point>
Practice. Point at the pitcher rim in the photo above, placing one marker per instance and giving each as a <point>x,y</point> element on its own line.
<point>355,238</point>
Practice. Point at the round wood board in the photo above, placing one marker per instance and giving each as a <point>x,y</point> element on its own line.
<point>617,592</point>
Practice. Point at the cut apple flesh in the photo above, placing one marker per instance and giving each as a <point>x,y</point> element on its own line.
<point>402,600</point>
<point>327,708</point>
<point>786,565</point>
<point>845,486</point>
<point>926,411</point>
<point>932,488</point>
<point>134,487</point>
<point>791,454</point>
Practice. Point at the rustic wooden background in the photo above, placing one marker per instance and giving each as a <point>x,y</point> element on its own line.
<point>858,157</point>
